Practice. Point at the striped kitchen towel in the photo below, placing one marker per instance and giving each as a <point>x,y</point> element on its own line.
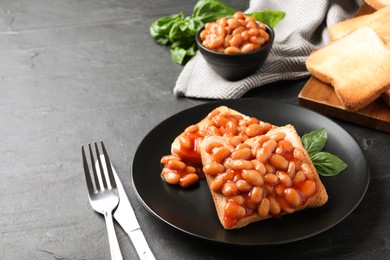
<point>303,29</point>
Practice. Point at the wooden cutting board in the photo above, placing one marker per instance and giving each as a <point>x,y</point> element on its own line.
<point>321,97</point>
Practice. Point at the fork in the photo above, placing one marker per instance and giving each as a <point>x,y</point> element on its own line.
<point>103,193</point>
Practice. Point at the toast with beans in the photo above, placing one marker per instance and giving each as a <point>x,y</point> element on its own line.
<point>265,176</point>
<point>184,165</point>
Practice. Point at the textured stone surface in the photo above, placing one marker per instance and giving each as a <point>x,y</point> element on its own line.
<point>72,72</point>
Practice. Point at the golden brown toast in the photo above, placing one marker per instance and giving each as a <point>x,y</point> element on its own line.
<point>281,188</point>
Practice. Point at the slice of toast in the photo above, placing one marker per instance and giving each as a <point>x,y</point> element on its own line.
<point>245,206</point>
<point>378,21</point>
<point>357,66</point>
<point>377,4</point>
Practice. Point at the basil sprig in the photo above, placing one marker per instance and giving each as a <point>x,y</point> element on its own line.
<point>179,31</point>
<point>327,164</point>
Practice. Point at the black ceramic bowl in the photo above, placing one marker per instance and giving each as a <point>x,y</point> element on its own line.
<point>234,67</point>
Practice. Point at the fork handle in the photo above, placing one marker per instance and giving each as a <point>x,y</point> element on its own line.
<point>112,239</point>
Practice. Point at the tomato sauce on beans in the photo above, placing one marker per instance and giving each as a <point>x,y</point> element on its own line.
<point>235,127</point>
<point>281,187</point>
<point>237,34</point>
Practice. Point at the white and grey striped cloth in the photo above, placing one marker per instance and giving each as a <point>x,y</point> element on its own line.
<point>302,30</point>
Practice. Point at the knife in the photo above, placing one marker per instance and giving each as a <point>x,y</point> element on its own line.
<point>125,216</point>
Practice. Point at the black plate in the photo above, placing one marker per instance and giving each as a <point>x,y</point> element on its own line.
<point>192,210</point>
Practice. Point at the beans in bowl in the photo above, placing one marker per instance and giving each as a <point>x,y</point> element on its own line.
<point>238,34</point>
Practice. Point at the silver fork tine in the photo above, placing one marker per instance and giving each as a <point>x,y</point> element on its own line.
<point>105,186</point>
<point>95,177</point>
<point>87,173</point>
<point>108,166</point>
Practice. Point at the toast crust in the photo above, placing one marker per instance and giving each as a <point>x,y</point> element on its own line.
<point>319,198</point>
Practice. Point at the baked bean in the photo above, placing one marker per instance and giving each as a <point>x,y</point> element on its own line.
<point>214,112</point>
<point>259,143</point>
<point>227,176</point>
<point>229,189</point>
<point>242,146</point>
<point>279,190</point>
<point>176,165</point>
<point>259,166</point>
<point>165,159</point>
<point>192,129</point>
<point>234,141</point>
<point>291,169</point>
<point>253,177</point>
<point>263,209</point>
<point>252,120</point>
<point>190,169</point>
<point>213,168</point>
<point>299,177</point>
<point>269,168</point>
<point>253,32</point>
<point>188,179</point>
<point>285,206</point>
<point>210,146</point>
<point>245,35</point>
<point>171,177</point>
<point>265,127</point>
<point>268,188</point>
<point>253,130</point>
<point>308,171</point>
<point>248,48</point>
<point>284,147</point>
<point>238,30</point>
<point>231,127</point>
<point>298,154</point>
<point>278,136</point>
<point>274,207</point>
<point>236,41</point>
<point>239,15</point>
<point>203,34</point>
<point>220,153</point>
<point>293,198</point>
<point>278,161</point>
<point>185,142</point>
<point>233,23</point>
<point>271,144</point>
<point>213,130</point>
<point>308,188</point>
<point>234,210</point>
<point>256,194</point>
<point>239,165</point>
<point>244,153</point>
<point>271,179</point>
<point>232,50</point>
<point>217,183</point>
<point>284,178</point>
<point>237,199</point>
<point>216,42</point>
<point>243,186</point>
<point>263,154</point>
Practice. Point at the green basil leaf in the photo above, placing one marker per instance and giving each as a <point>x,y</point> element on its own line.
<point>328,164</point>
<point>269,17</point>
<point>181,50</point>
<point>161,28</point>
<point>185,30</point>
<point>210,10</point>
<point>315,141</point>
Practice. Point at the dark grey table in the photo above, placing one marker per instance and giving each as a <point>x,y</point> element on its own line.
<point>72,72</point>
